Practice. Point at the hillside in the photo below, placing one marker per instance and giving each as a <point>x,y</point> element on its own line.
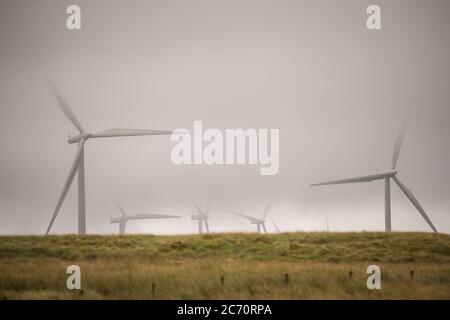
<point>227,266</point>
<point>323,247</point>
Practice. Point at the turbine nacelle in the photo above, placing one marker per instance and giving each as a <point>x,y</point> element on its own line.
<point>79,137</point>
<point>390,173</point>
<point>117,220</point>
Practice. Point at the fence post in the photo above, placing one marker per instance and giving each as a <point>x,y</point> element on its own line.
<point>153,290</point>
<point>286,279</point>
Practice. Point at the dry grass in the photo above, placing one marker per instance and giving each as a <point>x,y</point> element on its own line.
<point>253,266</point>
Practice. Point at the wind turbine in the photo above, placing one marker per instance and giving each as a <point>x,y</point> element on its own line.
<point>202,217</point>
<point>387,176</point>
<point>78,162</point>
<point>260,222</point>
<point>123,219</point>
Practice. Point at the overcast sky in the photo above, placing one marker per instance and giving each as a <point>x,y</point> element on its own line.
<point>337,91</point>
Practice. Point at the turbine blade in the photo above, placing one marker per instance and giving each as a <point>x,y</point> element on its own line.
<point>243,215</point>
<point>129,133</point>
<point>367,178</point>
<point>267,208</point>
<point>200,211</point>
<point>66,109</point>
<point>264,227</point>
<point>275,225</point>
<point>206,225</point>
<point>397,146</point>
<point>122,211</point>
<point>414,201</point>
<point>69,179</point>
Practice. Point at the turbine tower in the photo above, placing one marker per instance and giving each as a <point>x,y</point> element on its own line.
<point>260,222</point>
<point>387,176</point>
<point>202,217</point>
<point>123,219</point>
<point>78,162</point>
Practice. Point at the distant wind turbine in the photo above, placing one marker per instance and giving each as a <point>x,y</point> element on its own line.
<point>260,222</point>
<point>387,175</point>
<point>124,218</point>
<point>78,162</point>
<point>202,217</point>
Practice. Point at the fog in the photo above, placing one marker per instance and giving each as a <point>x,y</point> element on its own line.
<point>337,92</point>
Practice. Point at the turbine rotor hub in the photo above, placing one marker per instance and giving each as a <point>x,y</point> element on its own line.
<point>77,138</point>
<point>391,173</point>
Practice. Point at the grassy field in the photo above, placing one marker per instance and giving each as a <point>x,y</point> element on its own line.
<point>227,266</point>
